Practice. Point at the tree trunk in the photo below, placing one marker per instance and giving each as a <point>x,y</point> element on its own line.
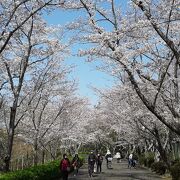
<point>43,156</point>
<point>35,152</point>
<point>161,150</point>
<point>7,159</point>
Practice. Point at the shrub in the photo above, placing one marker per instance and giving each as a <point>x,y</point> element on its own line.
<point>175,171</point>
<point>159,167</point>
<point>149,159</point>
<point>146,159</point>
<point>45,171</point>
<point>142,160</point>
<point>39,172</point>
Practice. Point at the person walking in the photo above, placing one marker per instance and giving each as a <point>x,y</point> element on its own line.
<point>130,160</point>
<point>118,157</point>
<point>108,158</point>
<point>76,164</point>
<point>91,162</point>
<point>99,160</point>
<point>65,167</point>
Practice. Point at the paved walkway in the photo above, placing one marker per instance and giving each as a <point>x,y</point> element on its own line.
<point>119,171</point>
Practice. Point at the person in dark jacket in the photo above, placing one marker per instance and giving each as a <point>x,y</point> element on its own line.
<point>99,160</point>
<point>76,164</point>
<point>65,167</point>
<point>91,162</point>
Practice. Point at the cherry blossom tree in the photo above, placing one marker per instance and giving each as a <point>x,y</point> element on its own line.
<point>145,44</point>
<point>16,14</point>
<point>46,102</point>
<point>118,114</point>
<point>75,133</point>
<point>22,55</point>
<point>26,47</point>
<point>141,47</point>
<point>123,112</point>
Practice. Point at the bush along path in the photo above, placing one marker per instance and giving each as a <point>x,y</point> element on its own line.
<point>119,171</point>
<point>48,171</point>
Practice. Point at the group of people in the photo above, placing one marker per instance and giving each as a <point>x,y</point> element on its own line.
<point>98,159</point>
<point>66,165</point>
<point>92,160</point>
<point>132,159</point>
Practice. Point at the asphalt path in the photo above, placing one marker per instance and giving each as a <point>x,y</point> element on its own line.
<point>119,171</point>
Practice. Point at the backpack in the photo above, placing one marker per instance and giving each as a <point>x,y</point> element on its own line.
<point>91,157</point>
<point>64,165</point>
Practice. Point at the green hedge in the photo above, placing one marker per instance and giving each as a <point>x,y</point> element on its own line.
<point>175,171</point>
<point>40,172</point>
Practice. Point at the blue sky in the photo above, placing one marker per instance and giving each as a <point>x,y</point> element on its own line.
<point>85,72</point>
